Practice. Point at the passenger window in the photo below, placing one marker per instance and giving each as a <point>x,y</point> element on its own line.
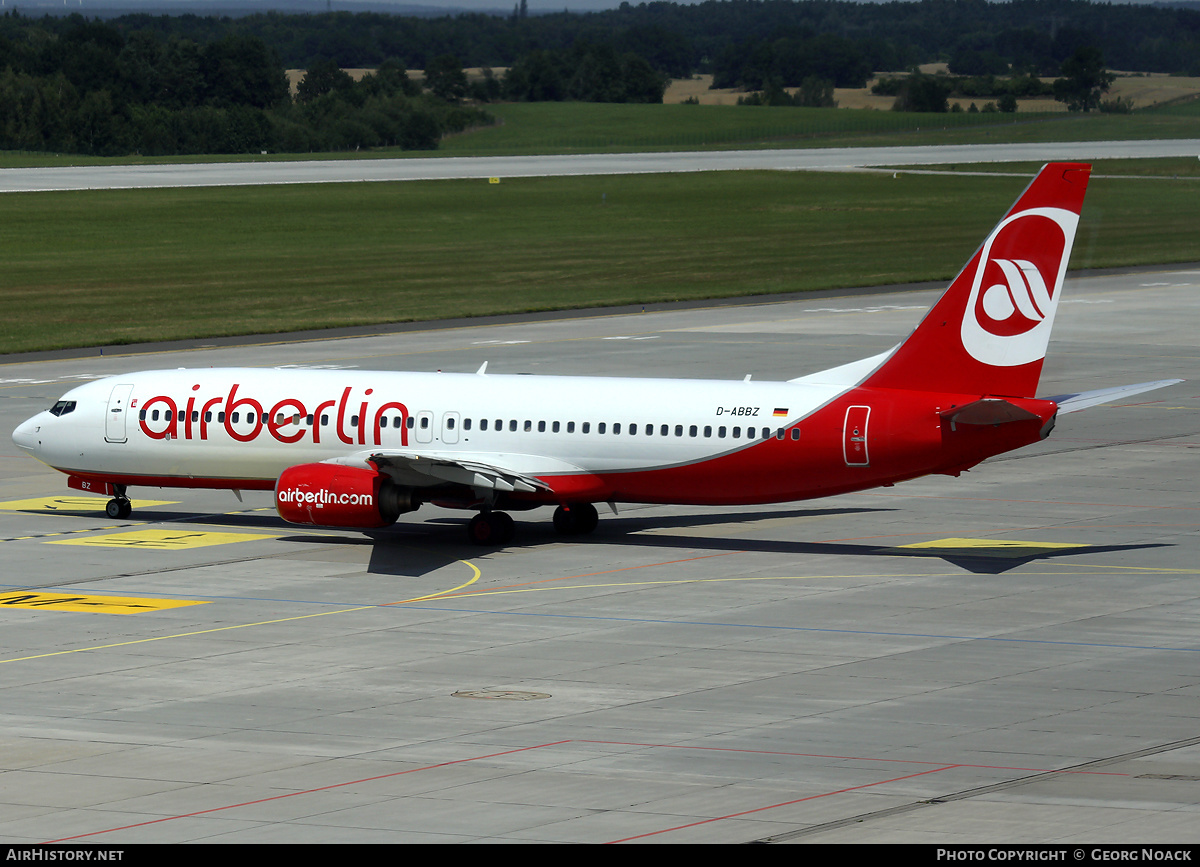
<point>233,417</point>
<point>664,430</point>
<point>325,420</point>
<point>396,422</point>
<point>570,427</point>
<point>587,427</point>
<point>424,422</point>
<point>721,432</point>
<point>600,427</point>
<point>483,424</point>
<point>554,428</point>
<point>353,420</point>
<point>466,424</point>
<point>450,423</point>
<point>708,430</point>
<point>692,430</point>
<point>541,427</point>
<point>795,433</point>
<point>678,430</point>
<point>141,415</point>
<point>208,416</point>
<point>528,426</point>
<point>308,419</point>
<point>408,423</point>
<point>512,425</point>
<point>221,418</point>
<point>154,416</point>
<point>616,427</point>
<point>737,433</point>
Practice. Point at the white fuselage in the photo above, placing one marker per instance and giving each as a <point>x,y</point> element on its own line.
<point>242,427</point>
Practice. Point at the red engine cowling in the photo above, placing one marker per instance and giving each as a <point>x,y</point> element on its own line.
<point>331,495</point>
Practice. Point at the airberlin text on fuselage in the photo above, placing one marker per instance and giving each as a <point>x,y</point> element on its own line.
<point>286,420</point>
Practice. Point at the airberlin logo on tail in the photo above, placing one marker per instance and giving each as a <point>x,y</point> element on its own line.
<point>1016,287</point>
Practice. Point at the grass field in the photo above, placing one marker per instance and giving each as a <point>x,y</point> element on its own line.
<point>110,267</point>
<point>529,128</point>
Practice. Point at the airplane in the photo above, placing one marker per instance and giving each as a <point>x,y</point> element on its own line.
<point>356,449</point>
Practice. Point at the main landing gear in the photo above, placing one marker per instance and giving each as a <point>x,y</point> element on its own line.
<point>119,506</point>
<point>496,528</point>
<point>490,528</point>
<point>575,519</point>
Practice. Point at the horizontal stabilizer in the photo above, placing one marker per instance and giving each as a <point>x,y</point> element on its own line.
<point>988,411</point>
<point>1084,399</point>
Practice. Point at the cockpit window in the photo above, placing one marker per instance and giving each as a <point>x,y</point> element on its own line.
<point>63,407</point>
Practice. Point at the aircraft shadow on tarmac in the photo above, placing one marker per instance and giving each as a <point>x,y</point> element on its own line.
<point>416,548</point>
<point>978,561</point>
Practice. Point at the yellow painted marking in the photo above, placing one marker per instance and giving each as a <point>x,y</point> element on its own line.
<point>493,180</point>
<point>162,539</point>
<point>452,594</point>
<point>90,603</point>
<point>69,503</point>
<point>1003,544</point>
<point>475,574</point>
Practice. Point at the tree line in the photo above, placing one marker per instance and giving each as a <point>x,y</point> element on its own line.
<point>93,90</point>
<point>192,84</point>
<point>679,39</point>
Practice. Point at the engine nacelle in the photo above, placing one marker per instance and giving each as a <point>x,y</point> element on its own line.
<point>332,495</point>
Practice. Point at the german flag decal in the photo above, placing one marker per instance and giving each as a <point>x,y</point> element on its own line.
<point>780,412</point>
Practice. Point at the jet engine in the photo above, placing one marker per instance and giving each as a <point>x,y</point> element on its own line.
<point>333,495</point>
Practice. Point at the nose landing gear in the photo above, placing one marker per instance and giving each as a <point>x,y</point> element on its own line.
<point>119,506</point>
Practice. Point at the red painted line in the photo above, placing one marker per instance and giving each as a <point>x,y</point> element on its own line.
<point>875,759</point>
<point>785,804</point>
<point>304,792</point>
<point>940,767</point>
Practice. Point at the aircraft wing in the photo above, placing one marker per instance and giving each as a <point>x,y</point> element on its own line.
<point>1084,399</point>
<point>482,470</point>
<point>425,470</point>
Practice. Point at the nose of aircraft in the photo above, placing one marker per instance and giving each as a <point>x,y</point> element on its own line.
<point>26,434</point>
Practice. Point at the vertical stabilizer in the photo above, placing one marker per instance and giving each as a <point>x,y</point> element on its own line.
<point>988,332</point>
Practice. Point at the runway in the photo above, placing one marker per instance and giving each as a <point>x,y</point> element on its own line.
<point>441,168</point>
<point>1011,656</point>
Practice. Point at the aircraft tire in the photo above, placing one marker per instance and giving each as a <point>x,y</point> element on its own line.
<point>504,527</point>
<point>575,519</point>
<point>490,528</point>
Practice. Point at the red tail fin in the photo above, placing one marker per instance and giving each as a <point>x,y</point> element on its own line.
<point>988,332</point>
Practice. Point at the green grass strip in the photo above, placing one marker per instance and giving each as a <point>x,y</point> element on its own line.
<point>113,267</point>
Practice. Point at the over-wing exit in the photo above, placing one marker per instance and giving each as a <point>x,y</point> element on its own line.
<point>357,449</point>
